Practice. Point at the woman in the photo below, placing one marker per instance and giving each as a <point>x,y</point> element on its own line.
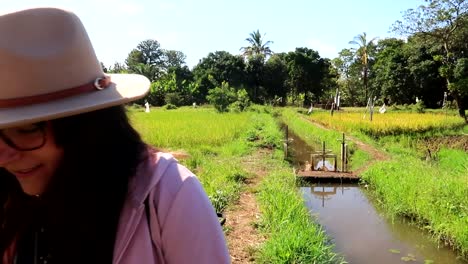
<point>77,183</point>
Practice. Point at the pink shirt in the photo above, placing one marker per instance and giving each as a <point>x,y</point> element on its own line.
<point>184,226</point>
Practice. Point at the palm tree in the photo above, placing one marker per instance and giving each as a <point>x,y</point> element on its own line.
<point>363,53</point>
<point>257,47</point>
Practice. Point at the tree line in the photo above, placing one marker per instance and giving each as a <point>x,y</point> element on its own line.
<point>428,60</point>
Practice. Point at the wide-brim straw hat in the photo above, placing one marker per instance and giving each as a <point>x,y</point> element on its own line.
<point>48,69</point>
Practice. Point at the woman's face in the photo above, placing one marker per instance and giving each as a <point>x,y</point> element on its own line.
<point>29,152</point>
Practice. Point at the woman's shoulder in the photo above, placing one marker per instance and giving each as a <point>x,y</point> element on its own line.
<point>160,172</point>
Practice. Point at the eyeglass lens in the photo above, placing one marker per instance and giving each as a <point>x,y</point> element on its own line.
<point>27,137</point>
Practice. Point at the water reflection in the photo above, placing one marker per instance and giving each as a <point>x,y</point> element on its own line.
<point>364,235</point>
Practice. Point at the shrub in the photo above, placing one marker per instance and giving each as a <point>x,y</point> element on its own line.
<point>222,97</point>
<point>169,107</point>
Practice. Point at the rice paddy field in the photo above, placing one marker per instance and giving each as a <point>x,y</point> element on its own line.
<point>425,179</point>
<point>388,124</point>
<point>215,146</point>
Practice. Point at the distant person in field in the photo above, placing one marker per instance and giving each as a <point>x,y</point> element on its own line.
<point>77,183</point>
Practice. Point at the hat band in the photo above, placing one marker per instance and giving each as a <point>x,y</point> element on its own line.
<point>98,84</point>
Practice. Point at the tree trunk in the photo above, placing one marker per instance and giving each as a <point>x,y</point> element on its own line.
<point>461,102</point>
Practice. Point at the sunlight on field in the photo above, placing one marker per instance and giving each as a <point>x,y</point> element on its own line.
<point>388,123</point>
<point>188,128</point>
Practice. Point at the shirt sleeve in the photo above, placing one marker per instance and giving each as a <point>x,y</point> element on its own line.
<point>191,232</point>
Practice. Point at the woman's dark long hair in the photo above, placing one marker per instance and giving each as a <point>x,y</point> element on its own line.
<point>81,207</point>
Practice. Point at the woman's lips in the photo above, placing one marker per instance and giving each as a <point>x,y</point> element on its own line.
<point>27,172</point>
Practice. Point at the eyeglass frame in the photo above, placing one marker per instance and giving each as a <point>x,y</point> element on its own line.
<point>41,126</point>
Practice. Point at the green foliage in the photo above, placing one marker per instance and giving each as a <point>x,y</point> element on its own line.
<point>264,134</point>
<point>217,148</point>
<point>216,68</point>
<point>222,97</point>
<point>257,48</point>
<point>426,192</point>
<point>419,107</point>
<point>241,103</point>
<point>308,72</point>
<point>173,98</point>
<point>293,237</point>
<point>169,107</point>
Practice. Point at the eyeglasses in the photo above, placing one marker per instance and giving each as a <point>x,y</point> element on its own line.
<point>25,138</point>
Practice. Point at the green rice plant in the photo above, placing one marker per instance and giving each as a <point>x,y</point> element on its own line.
<point>455,161</point>
<point>216,144</point>
<point>429,193</point>
<point>293,236</point>
<point>188,128</point>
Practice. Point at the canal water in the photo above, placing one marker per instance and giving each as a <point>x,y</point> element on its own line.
<point>360,230</point>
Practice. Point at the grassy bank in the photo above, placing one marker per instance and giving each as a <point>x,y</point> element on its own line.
<point>433,193</point>
<point>216,143</point>
<point>425,183</point>
<point>293,237</point>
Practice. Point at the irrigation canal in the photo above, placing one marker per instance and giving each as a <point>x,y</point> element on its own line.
<point>360,229</point>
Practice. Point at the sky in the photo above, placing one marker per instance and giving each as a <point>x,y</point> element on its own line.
<point>197,28</point>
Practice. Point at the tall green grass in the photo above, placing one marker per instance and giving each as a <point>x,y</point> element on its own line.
<point>432,194</point>
<point>213,141</point>
<point>217,144</point>
<point>431,190</point>
<point>293,237</point>
<point>190,128</point>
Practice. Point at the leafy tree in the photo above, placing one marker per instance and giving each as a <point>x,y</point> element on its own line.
<point>221,97</point>
<point>254,70</point>
<point>392,77</point>
<point>147,59</point>
<point>151,52</point>
<point>242,101</point>
<point>364,52</point>
<point>349,76</point>
<point>134,58</point>
<point>275,76</point>
<point>217,67</point>
<point>256,54</point>
<point>427,82</point>
<point>173,88</point>
<point>257,47</point>
<point>441,22</point>
<point>307,72</point>
<point>174,58</point>
<point>118,68</point>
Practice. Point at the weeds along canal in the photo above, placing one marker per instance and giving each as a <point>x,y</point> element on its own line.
<point>360,230</point>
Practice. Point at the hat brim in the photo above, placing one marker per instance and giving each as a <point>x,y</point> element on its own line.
<point>124,88</point>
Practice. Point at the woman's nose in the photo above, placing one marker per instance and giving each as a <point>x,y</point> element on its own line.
<point>7,153</point>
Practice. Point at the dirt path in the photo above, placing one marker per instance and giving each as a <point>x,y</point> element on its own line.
<point>242,237</point>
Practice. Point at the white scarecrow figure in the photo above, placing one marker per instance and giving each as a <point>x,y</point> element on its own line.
<point>147,110</point>
<point>383,109</point>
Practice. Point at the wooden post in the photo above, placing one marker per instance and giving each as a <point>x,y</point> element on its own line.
<point>335,165</point>
<point>346,157</point>
<point>312,162</point>
<point>343,154</point>
<point>323,156</point>
<point>286,141</point>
